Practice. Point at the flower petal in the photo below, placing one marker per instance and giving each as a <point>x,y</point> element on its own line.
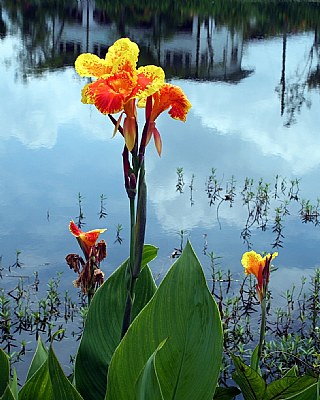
<point>116,127</point>
<point>123,56</point>
<point>253,263</point>
<point>171,96</point>
<point>103,96</point>
<point>90,237</point>
<point>157,140</point>
<point>74,229</point>
<point>90,65</point>
<point>150,80</point>
<point>129,132</point>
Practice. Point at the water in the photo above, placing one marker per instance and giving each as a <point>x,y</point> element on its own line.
<point>255,95</point>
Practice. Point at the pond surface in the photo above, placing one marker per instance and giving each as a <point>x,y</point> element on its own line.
<point>255,94</point>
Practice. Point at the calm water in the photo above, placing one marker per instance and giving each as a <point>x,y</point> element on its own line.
<point>255,94</point>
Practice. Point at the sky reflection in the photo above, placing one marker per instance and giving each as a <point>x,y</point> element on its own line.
<point>53,147</point>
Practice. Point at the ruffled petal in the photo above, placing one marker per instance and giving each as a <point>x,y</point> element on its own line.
<point>253,263</point>
<point>171,96</point>
<point>90,65</point>
<point>87,96</point>
<point>123,56</point>
<point>150,80</point>
<point>103,96</point>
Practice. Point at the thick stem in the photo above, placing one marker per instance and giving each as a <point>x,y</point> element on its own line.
<point>130,288</point>
<point>132,234</point>
<point>262,327</point>
<point>138,227</point>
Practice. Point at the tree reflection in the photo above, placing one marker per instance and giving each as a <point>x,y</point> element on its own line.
<point>293,92</point>
<point>184,36</point>
<point>3,26</point>
<point>40,25</point>
<point>314,75</point>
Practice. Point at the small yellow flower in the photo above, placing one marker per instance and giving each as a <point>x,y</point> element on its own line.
<point>259,266</point>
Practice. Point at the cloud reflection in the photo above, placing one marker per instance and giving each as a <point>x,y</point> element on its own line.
<point>236,129</point>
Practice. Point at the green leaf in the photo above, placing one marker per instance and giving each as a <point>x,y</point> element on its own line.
<point>102,331</point>
<point>227,393</point>
<point>5,371</point>
<point>251,384</point>
<point>14,384</point>
<point>149,253</point>
<point>311,393</point>
<point>7,395</point>
<point>183,311</point>
<point>287,387</point>
<point>62,387</point>
<point>39,386</point>
<point>254,362</point>
<point>148,385</point>
<point>292,371</point>
<point>39,357</point>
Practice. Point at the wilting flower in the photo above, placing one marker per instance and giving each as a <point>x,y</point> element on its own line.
<point>119,82</point>
<point>259,266</point>
<point>90,275</point>
<point>167,97</point>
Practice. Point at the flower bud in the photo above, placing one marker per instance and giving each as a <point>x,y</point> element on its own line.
<point>132,181</point>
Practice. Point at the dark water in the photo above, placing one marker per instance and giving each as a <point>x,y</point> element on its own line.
<point>251,72</point>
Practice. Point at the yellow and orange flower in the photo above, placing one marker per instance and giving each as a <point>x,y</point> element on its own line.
<point>167,97</point>
<point>119,82</point>
<point>259,266</point>
<point>86,240</point>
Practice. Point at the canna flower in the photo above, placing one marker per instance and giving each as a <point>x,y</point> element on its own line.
<point>86,240</point>
<point>119,83</point>
<point>259,266</point>
<point>167,97</point>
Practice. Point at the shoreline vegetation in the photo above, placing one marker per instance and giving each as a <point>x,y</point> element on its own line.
<point>293,333</point>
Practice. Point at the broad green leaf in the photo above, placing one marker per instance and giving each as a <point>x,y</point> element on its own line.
<point>287,387</point>
<point>102,331</point>
<point>148,385</point>
<point>39,386</point>
<point>62,387</point>
<point>5,371</point>
<point>39,357</point>
<point>7,395</point>
<point>183,311</point>
<point>14,384</point>
<point>228,393</point>
<point>311,393</point>
<point>251,384</point>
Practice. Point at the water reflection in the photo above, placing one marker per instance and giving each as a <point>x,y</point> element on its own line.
<point>248,81</point>
<point>293,92</point>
